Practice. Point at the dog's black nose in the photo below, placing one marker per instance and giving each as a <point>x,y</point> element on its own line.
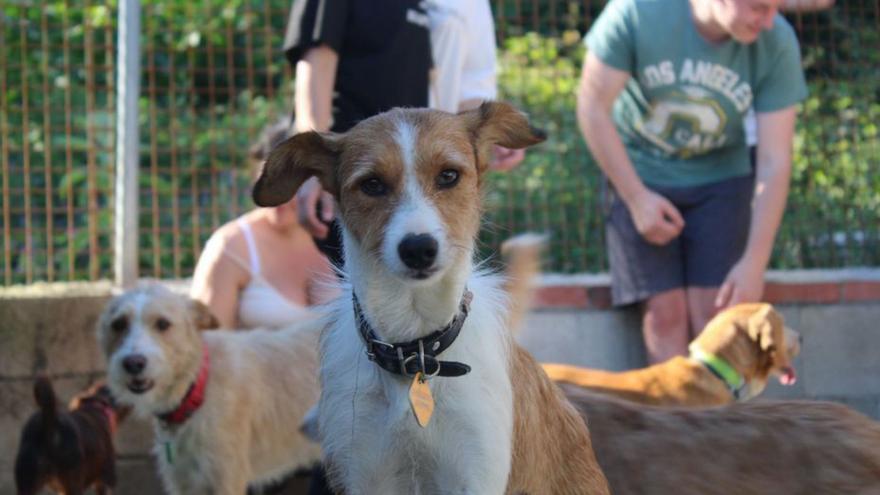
<point>134,363</point>
<point>418,251</point>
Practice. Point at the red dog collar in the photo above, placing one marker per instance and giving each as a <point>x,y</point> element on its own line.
<point>111,417</point>
<point>193,398</point>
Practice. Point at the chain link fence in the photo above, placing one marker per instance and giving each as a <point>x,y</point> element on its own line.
<point>56,140</point>
<point>214,76</point>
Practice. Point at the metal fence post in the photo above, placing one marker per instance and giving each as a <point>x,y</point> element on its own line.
<point>125,245</point>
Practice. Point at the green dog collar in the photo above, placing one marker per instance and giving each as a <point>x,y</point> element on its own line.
<point>720,368</point>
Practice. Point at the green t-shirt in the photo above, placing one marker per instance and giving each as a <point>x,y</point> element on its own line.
<point>681,114</point>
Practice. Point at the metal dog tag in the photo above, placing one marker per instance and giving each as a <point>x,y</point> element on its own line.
<point>169,452</point>
<point>421,400</point>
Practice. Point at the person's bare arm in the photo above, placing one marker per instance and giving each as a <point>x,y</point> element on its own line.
<point>656,219</point>
<point>217,281</point>
<point>313,96</point>
<point>450,41</point>
<point>313,104</point>
<point>745,282</point>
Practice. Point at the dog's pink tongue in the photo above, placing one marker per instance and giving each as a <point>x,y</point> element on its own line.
<point>788,377</point>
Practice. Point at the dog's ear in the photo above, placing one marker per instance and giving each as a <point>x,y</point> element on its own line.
<point>202,317</point>
<point>766,327</point>
<point>502,124</point>
<point>295,160</point>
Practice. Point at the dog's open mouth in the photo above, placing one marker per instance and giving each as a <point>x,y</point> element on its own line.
<point>139,385</point>
<point>422,274</point>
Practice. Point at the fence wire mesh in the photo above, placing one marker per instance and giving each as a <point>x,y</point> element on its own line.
<point>214,76</point>
<point>56,140</point>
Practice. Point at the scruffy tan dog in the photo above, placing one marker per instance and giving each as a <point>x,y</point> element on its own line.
<point>730,361</point>
<point>749,448</point>
<point>227,405</point>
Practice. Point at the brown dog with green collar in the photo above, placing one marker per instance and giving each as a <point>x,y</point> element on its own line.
<point>731,360</point>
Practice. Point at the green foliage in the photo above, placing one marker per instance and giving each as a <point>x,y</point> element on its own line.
<point>834,208</point>
<point>556,190</point>
<point>213,76</point>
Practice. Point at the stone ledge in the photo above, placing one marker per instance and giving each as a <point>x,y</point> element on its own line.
<point>47,290</point>
<point>590,291</point>
<point>849,285</point>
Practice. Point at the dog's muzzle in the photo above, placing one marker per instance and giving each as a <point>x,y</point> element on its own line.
<point>134,365</point>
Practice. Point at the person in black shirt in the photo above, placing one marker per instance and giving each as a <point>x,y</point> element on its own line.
<point>378,58</point>
<point>352,60</point>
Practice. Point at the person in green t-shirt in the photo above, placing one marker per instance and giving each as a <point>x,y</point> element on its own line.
<point>664,90</point>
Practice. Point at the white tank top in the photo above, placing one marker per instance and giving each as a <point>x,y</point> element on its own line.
<point>259,303</point>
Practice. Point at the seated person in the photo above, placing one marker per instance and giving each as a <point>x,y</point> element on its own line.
<point>261,269</point>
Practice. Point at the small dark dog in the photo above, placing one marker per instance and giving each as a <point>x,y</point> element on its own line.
<point>69,451</point>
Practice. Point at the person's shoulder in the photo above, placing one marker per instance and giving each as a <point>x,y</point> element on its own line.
<point>472,9</point>
<point>781,35</point>
<point>228,232</point>
<point>228,237</point>
<point>649,4</point>
<point>641,7</point>
<point>449,17</point>
<point>223,257</point>
<point>674,13</point>
<point>649,10</point>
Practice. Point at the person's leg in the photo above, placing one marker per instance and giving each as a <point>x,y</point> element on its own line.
<point>650,275</point>
<point>714,239</point>
<point>701,308</point>
<point>665,325</point>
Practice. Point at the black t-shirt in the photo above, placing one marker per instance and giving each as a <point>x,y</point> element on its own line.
<point>384,52</point>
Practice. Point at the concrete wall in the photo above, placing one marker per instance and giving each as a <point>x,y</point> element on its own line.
<point>52,328</point>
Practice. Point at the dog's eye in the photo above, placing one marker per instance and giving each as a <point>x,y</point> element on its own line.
<point>119,324</point>
<point>447,178</point>
<point>162,324</point>
<point>374,187</point>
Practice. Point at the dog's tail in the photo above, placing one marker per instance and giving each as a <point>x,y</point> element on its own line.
<point>47,402</point>
<point>523,255</point>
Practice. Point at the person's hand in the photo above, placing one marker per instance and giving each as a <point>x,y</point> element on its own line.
<point>656,218</point>
<point>307,197</point>
<point>744,283</point>
<point>504,159</point>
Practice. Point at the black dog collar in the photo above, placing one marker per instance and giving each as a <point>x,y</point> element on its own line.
<point>419,355</point>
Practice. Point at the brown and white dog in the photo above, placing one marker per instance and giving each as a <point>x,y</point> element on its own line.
<point>731,360</point>
<point>69,450</point>
<point>748,448</point>
<point>407,183</point>
<point>226,405</point>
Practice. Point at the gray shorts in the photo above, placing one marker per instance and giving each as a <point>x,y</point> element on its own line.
<point>716,229</point>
